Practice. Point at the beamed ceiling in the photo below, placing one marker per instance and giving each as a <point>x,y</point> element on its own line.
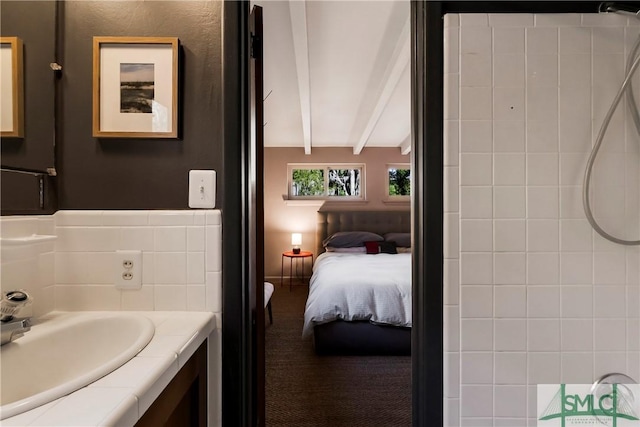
<point>337,74</point>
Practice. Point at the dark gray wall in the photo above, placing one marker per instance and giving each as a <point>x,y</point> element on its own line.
<point>140,173</point>
<point>34,23</point>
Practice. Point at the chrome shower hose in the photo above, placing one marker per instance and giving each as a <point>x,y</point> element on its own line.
<point>632,65</point>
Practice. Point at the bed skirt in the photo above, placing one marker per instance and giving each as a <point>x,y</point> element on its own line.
<point>361,338</point>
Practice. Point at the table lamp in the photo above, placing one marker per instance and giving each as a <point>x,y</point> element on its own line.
<point>296,241</point>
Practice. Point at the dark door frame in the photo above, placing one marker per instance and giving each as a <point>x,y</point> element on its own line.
<point>239,382</point>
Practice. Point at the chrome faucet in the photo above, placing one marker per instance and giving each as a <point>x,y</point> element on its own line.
<point>12,328</point>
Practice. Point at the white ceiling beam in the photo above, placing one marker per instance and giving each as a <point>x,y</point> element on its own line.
<point>405,147</point>
<point>397,62</point>
<point>298,13</point>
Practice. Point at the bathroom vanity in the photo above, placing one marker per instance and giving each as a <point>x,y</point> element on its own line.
<point>164,384</point>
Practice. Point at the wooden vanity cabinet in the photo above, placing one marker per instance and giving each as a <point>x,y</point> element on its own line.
<point>184,401</point>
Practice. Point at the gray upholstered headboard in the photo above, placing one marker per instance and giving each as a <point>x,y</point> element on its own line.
<point>380,222</point>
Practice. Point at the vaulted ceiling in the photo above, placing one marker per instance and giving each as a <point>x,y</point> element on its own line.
<point>336,74</point>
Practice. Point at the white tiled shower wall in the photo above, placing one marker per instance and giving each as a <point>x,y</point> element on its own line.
<point>181,265</point>
<point>532,294</point>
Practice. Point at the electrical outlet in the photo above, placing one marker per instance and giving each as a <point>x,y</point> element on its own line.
<point>128,269</point>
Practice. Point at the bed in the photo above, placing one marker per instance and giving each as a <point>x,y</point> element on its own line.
<point>360,303</point>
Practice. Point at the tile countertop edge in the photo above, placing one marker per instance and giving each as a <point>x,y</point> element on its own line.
<point>128,398</point>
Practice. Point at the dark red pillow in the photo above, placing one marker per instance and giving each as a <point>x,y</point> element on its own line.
<point>372,247</point>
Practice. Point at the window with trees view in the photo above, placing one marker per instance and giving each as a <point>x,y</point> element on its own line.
<point>399,182</point>
<point>324,181</point>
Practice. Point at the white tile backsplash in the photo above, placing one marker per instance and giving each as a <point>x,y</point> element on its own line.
<point>167,218</point>
<point>170,267</point>
<point>170,239</point>
<point>547,300</point>
<point>76,272</point>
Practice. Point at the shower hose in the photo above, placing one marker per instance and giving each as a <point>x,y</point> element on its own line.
<point>632,65</point>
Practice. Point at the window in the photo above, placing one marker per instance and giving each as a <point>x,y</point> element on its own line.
<point>399,181</point>
<point>317,181</point>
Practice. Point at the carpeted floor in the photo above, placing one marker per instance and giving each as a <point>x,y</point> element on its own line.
<point>303,389</point>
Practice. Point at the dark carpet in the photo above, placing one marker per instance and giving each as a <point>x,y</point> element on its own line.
<point>303,389</point>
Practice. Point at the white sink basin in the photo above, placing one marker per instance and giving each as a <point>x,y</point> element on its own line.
<point>65,352</point>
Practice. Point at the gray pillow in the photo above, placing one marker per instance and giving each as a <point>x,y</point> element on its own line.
<point>350,239</point>
<point>355,250</point>
<point>403,240</point>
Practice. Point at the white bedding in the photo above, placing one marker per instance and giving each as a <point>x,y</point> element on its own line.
<point>359,287</point>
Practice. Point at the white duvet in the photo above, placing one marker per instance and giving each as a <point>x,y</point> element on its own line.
<point>359,287</point>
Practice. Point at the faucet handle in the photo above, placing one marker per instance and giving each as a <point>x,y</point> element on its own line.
<point>13,301</point>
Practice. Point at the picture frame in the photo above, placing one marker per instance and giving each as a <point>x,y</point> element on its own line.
<point>135,87</point>
<point>11,87</point>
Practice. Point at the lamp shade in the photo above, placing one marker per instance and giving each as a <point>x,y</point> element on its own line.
<point>296,239</point>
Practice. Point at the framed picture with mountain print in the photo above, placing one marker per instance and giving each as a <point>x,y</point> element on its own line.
<point>135,87</point>
<point>11,88</point>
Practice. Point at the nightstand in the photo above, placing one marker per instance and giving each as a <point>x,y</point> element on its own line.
<point>289,254</point>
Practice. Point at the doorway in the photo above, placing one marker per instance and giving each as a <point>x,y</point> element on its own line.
<point>336,115</point>
<point>241,394</point>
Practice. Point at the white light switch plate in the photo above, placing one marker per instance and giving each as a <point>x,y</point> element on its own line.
<point>202,189</point>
